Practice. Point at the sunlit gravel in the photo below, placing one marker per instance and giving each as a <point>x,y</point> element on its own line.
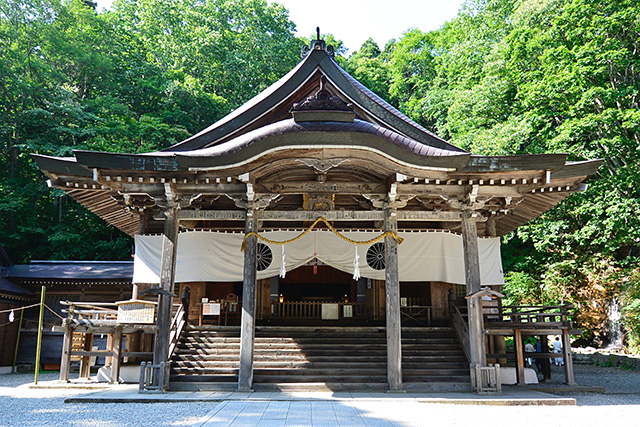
<point>24,407</point>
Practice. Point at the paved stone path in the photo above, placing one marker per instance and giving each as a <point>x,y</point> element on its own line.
<point>410,413</point>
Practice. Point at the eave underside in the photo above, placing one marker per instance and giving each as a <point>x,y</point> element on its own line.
<point>298,192</point>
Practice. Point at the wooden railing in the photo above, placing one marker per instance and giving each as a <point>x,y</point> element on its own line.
<point>90,313</point>
<point>420,314</point>
<point>541,315</point>
<point>154,378</point>
<point>460,326</point>
<point>107,313</point>
<point>313,309</point>
<point>177,325</point>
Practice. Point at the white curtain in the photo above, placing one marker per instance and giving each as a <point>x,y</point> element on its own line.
<point>217,257</point>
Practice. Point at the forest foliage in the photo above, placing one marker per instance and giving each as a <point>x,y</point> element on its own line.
<point>503,77</point>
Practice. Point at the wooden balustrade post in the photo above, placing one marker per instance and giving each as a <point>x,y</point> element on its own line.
<point>568,359</point>
<point>65,363</point>
<point>85,362</point>
<point>517,338</point>
<point>117,355</point>
<point>108,359</point>
<point>248,320</point>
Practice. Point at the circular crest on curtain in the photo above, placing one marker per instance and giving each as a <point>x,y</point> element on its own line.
<point>264,257</point>
<point>375,256</point>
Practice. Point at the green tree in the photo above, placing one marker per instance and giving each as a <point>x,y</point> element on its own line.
<point>370,66</point>
<point>139,78</point>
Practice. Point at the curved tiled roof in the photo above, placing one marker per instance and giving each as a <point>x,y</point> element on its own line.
<point>291,127</point>
<point>390,108</point>
<point>256,112</point>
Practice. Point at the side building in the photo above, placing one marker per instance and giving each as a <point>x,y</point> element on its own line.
<point>79,281</point>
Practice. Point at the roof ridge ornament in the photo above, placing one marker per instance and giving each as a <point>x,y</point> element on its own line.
<point>322,100</point>
<point>317,44</point>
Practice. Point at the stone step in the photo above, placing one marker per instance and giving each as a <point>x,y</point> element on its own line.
<point>261,379</point>
<point>335,358</point>
<point>320,386</point>
<point>311,347</point>
<point>320,371</point>
<point>323,340</point>
<point>431,386</point>
<point>316,331</point>
<point>306,365</point>
<point>269,353</point>
<point>316,358</point>
<point>186,385</point>
<point>460,378</point>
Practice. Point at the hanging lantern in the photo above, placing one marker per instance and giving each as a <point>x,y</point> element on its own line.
<point>12,316</point>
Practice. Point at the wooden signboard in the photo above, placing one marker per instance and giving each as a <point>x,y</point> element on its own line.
<point>211,309</point>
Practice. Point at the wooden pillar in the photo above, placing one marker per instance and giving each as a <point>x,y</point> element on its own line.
<point>108,359</point>
<point>546,362</point>
<point>568,360</point>
<point>134,345</point>
<point>85,362</point>
<point>117,355</point>
<point>472,276</point>
<point>517,338</point>
<point>392,288</point>
<point>167,279</point>
<point>500,346</point>
<point>491,230</point>
<point>248,320</point>
<point>65,362</point>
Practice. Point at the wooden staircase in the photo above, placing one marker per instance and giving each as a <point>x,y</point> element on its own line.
<point>318,358</point>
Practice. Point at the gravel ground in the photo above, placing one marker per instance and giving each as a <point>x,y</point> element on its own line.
<point>622,387</point>
<point>619,406</point>
<point>24,407</point>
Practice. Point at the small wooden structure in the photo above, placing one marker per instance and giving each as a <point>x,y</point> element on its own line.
<point>86,319</point>
<point>316,144</point>
<point>540,322</point>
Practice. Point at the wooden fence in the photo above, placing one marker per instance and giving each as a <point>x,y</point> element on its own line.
<point>313,309</point>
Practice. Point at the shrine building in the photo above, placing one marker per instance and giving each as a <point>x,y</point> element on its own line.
<point>317,235</point>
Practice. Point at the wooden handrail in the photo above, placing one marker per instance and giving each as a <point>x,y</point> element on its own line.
<point>461,329</point>
<point>177,325</point>
<point>89,304</point>
<point>527,314</point>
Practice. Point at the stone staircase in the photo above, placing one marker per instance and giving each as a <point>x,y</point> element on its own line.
<point>318,358</point>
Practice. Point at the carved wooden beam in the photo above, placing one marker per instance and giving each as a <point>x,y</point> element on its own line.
<point>483,191</point>
<point>270,215</point>
<point>323,187</point>
<point>200,188</point>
